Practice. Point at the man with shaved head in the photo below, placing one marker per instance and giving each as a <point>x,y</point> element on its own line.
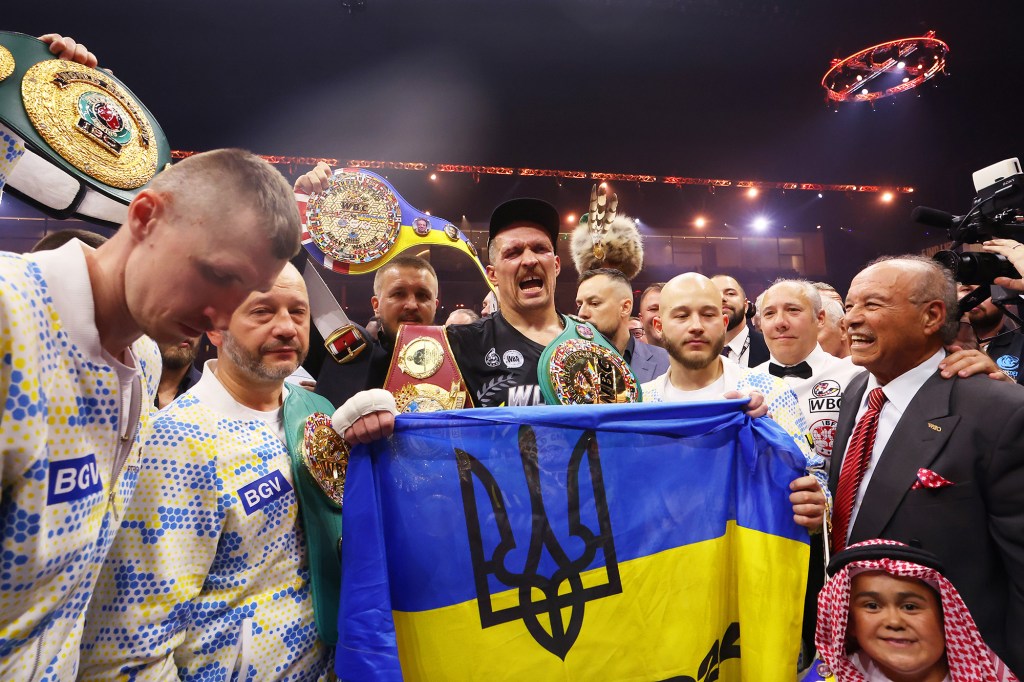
<point>605,298</point>
<point>935,463</point>
<point>212,541</point>
<point>693,327</point>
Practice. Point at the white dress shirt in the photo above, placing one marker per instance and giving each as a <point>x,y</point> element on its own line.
<point>898,394</point>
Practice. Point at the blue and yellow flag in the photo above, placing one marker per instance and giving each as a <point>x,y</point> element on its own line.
<point>615,542</point>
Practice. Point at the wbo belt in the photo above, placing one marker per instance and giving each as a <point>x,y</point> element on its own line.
<point>423,375</point>
<point>580,367</point>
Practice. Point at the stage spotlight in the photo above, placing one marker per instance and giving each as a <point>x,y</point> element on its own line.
<point>887,197</point>
<point>752,192</point>
<point>433,176</point>
<point>571,218</point>
<point>760,224</point>
<point>820,195</point>
<point>901,65</point>
<point>700,221</point>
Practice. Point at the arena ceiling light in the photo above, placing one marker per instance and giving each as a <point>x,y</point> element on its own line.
<point>886,69</point>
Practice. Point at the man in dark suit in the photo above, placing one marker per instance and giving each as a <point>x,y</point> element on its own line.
<point>931,462</point>
<point>744,345</point>
<point>605,299</point>
<point>404,292</point>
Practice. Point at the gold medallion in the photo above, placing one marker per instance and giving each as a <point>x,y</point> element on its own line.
<point>92,122</point>
<point>429,398</point>
<point>421,358</point>
<point>325,456</point>
<point>6,63</point>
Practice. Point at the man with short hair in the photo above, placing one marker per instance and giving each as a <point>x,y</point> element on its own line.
<point>82,380</point>
<point>461,316</point>
<point>404,292</point>
<point>498,355</point>
<point>650,301</point>
<point>178,373</point>
<point>831,336</point>
<point>636,328</point>
<point>693,326</point>
<point>995,336</point>
<point>605,299</point>
<point>927,461</point>
<point>211,542</point>
<point>744,345</point>
<point>791,319</point>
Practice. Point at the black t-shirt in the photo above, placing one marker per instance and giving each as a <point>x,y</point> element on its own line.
<point>498,363</point>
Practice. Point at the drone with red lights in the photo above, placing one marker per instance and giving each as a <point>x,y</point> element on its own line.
<point>885,69</point>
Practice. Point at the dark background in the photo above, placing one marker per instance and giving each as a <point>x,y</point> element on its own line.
<point>706,88</point>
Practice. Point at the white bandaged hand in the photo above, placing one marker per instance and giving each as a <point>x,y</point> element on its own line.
<point>360,405</point>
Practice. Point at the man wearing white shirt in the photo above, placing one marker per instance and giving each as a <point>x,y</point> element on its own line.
<point>791,318</point>
<point>744,345</point>
<point>931,462</point>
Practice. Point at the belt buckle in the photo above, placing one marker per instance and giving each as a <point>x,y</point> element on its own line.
<point>344,349</point>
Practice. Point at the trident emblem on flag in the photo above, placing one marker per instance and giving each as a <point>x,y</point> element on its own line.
<point>541,597</point>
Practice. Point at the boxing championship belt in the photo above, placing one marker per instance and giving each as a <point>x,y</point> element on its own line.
<point>359,223</point>
<point>580,367</point>
<point>89,144</point>
<point>423,375</point>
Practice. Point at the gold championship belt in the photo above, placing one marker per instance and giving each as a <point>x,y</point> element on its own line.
<point>325,455</point>
<point>359,223</point>
<point>581,368</point>
<point>94,143</point>
<point>423,375</point>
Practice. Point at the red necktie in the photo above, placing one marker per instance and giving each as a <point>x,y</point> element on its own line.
<point>855,463</point>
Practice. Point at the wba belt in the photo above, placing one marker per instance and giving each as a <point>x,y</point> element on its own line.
<point>423,375</point>
<point>580,367</point>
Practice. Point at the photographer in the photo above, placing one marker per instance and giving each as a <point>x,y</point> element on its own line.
<point>1007,345</point>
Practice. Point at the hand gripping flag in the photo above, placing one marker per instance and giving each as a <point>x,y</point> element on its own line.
<point>625,542</point>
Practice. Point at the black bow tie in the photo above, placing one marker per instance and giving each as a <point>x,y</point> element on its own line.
<point>802,370</point>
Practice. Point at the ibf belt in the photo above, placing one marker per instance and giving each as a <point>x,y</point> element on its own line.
<point>580,367</point>
<point>423,375</point>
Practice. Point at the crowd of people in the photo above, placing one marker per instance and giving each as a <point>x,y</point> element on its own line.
<point>150,509</point>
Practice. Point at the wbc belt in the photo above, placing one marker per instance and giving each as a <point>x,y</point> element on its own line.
<point>423,375</point>
<point>580,367</point>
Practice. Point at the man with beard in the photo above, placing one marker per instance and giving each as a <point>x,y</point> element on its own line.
<point>605,299</point>
<point>404,292</point>
<point>693,326</point>
<point>178,373</point>
<point>210,575</point>
<point>1003,343</point>
<point>744,345</point>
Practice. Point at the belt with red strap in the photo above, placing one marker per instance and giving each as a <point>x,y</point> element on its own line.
<point>423,375</point>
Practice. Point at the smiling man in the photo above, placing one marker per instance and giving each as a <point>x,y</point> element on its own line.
<point>212,539</point>
<point>930,461</point>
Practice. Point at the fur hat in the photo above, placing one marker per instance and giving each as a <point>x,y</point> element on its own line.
<point>621,247</point>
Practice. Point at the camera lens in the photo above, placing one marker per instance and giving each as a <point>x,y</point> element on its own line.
<point>976,268</point>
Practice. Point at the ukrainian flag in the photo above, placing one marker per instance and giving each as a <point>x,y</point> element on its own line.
<point>612,542</point>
